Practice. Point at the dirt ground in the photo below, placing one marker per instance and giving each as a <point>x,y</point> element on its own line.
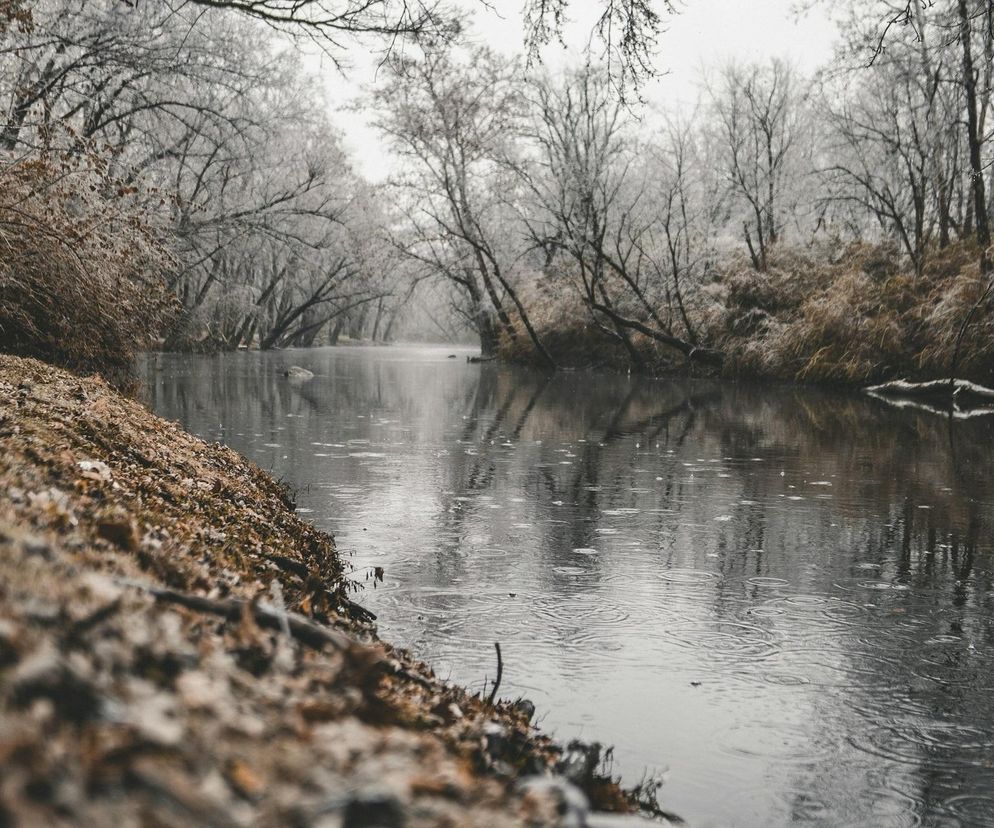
<point>178,648</point>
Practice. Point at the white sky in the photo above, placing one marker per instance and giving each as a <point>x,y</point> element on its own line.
<point>705,33</point>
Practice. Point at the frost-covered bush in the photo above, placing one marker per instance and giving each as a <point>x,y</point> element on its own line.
<point>81,275</point>
<point>863,316</point>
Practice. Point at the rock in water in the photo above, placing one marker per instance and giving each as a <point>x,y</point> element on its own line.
<point>525,708</point>
<point>295,372</point>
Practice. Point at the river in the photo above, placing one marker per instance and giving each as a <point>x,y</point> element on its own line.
<point>777,599</point>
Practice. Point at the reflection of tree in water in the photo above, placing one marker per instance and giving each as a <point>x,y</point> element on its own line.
<point>925,718</point>
<point>593,479</point>
<point>578,484</point>
<point>496,459</point>
<point>893,648</point>
<point>894,467</point>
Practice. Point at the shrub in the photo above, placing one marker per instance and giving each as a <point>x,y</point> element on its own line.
<point>950,302</point>
<point>858,318</point>
<point>81,274</point>
<point>853,314</point>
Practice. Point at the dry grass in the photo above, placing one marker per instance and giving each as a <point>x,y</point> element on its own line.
<point>851,315</point>
<point>80,272</point>
<point>845,332</point>
<point>861,317</point>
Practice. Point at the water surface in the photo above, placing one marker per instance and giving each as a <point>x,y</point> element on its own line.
<point>778,598</point>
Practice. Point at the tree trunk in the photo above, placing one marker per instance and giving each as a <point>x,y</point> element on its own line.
<point>757,264</point>
<point>486,327</point>
<point>376,320</point>
<point>637,362</point>
<point>973,139</point>
<point>943,217</point>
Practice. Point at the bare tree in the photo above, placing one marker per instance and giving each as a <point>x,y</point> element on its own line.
<point>592,192</point>
<point>627,30</point>
<point>687,195</point>
<point>453,121</point>
<point>757,109</point>
<point>882,157</point>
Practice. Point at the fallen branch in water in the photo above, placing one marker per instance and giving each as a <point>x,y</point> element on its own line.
<point>500,674</point>
<point>955,388</point>
<point>939,411</point>
<point>959,398</point>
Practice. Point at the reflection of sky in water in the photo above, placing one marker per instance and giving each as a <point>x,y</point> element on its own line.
<point>781,596</point>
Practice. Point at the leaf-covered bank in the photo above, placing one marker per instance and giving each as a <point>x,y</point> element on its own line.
<point>178,648</point>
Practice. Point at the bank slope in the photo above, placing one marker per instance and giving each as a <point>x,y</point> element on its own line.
<point>178,648</point>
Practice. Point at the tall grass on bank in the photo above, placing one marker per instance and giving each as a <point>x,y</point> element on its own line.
<point>853,315</point>
<point>81,273</point>
<point>860,318</point>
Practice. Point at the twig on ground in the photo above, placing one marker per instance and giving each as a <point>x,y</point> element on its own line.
<point>302,629</point>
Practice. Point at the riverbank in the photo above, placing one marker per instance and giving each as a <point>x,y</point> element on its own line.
<point>178,647</point>
<point>853,317</point>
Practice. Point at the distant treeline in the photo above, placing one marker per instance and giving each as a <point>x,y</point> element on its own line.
<point>831,227</point>
<point>171,176</point>
<point>193,137</point>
